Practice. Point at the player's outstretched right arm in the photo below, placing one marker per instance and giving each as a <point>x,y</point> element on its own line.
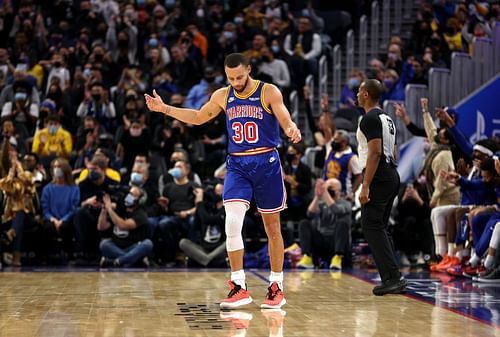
<point>208,111</point>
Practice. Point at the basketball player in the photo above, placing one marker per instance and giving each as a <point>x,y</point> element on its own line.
<point>376,136</point>
<point>254,111</point>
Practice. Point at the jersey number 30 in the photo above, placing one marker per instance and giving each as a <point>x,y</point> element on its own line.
<point>248,132</point>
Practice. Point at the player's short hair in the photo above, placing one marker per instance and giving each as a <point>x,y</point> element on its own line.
<point>374,88</point>
<point>235,59</point>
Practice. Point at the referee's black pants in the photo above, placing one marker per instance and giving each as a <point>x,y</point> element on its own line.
<point>374,222</point>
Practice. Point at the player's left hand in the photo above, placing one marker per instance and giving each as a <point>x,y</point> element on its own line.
<point>294,134</point>
<point>155,103</point>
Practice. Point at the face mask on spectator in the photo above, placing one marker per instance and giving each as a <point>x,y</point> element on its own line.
<point>129,98</point>
<point>87,72</point>
<point>98,57</point>
<point>210,79</point>
<point>176,131</point>
<point>58,172</point>
<point>275,49</point>
<point>54,95</point>
<point>135,131</point>
<point>95,175</point>
<point>57,64</point>
<point>20,96</point>
<point>336,146</point>
<point>96,97</point>
<point>52,130</point>
<point>353,83</point>
<point>449,30</point>
<point>129,200</point>
<point>200,12</point>
<point>169,3</point>
<point>136,178</point>
<point>153,43</point>
<point>290,157</point>
<point>388,83</point>
<point>332,193</point>
<point>238,20</point>
<point>228,35</point>
<point>122,43</point>
<point>392,56</point>
<point>175,172</point>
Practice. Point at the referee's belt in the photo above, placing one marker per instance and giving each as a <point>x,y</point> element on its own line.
<point>252,152</point>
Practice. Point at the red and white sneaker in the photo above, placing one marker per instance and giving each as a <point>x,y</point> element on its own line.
<point>470,271</point>
<point>274,298</point>
<point>236,297</point>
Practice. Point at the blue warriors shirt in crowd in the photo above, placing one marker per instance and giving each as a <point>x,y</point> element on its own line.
<point>251,126</point>
<point>337,166</point>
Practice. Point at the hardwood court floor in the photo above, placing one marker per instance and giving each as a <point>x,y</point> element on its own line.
<point>185,303</point>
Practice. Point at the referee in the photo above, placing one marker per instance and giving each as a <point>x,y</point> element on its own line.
<point>376,136</point>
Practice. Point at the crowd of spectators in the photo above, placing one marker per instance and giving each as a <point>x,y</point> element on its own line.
<point>90,176</point>
<point>84,162</point>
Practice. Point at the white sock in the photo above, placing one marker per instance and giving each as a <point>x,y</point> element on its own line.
<point>238,277</point>
<point>474,260</point>
<point>276,277</point>
<point>489,262</point>
<point>459,254</point>
<point>450,249</point>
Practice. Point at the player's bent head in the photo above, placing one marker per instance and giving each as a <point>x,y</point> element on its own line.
<point>373,88</point>
<point>237,67</point>
<point>234,60</point>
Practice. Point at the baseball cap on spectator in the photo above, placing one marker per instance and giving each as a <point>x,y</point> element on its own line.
<point>49,104</point>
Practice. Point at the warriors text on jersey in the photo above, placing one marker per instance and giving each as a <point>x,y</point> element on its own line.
<point>250,123</point>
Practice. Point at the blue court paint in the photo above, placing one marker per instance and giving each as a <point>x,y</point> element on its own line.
<point>477,301</point>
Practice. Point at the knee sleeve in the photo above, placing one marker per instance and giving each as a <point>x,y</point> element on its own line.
<point>235,213</point>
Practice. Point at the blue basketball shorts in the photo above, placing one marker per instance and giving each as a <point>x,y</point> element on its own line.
<point>259,176</point>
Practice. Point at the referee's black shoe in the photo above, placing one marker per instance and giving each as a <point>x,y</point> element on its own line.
<point>397,286</point>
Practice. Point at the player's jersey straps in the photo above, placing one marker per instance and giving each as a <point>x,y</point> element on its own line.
<point>250,124</point>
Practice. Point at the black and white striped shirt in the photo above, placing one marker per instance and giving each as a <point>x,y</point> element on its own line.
<point>377,124</point>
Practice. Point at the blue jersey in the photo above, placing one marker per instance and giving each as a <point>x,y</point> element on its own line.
<point>250,123</point>
<point>338,168</point>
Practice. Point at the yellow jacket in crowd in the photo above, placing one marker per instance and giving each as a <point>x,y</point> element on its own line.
<point>58,144</point>
<point>19,191</point>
